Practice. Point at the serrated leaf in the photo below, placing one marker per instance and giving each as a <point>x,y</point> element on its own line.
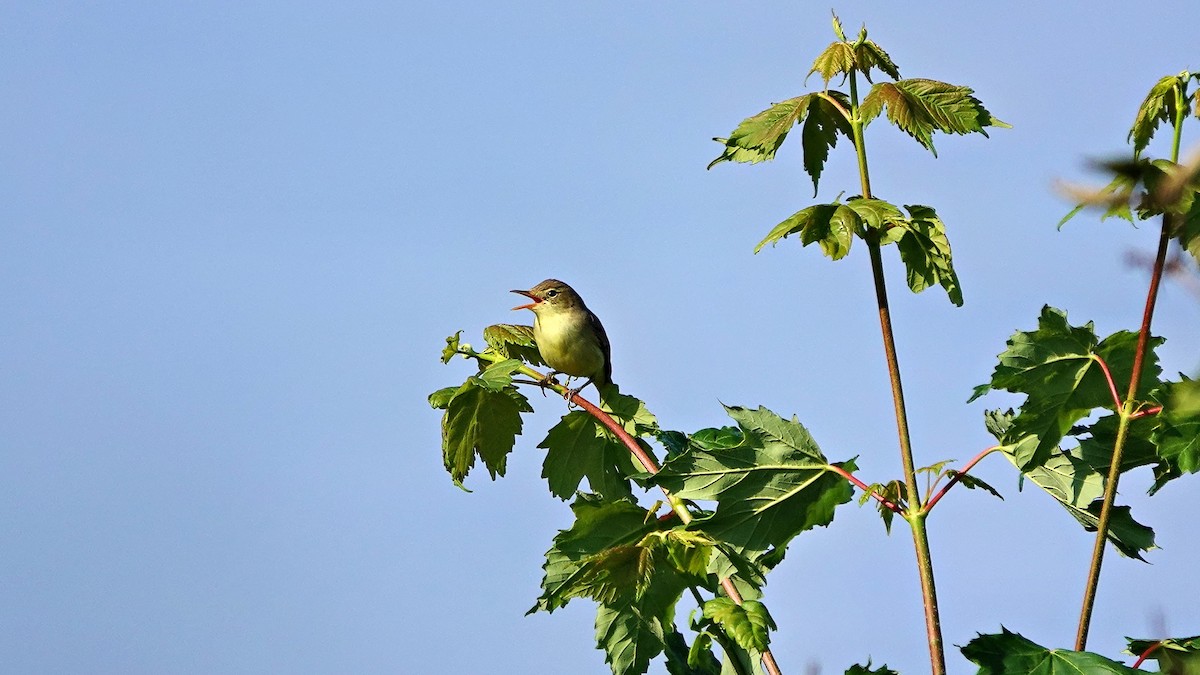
<point>869,55</point>
<point>700,659</point>
<point>768,489</point>
<point>972,482</point>
<point>748,624</point>
<point>514,342</point>
<point>1177,436</point>
<point>893,491</point>
<point>599,525</point>
<point>1055,366</point>
<point>875,213</point>
<point>498,376</point>
<point>1160,105</point>
<point>759,136</point>
<point>925,250</point>
<point>576,448</point>
<point>836,59</point>
<point>813,218</point>
<point>920,107</point>
<point>479,421</point>
<point>820,133</point>
<point>1009,653</point>
<point>1076,485</point>
<point>629,638</point>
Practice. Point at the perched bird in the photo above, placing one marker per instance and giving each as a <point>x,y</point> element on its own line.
<point>569,337</point>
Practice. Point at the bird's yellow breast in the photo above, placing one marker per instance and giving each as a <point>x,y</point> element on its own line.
<point>567,343</point>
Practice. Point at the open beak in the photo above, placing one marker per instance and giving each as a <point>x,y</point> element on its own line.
<point>529,295</point>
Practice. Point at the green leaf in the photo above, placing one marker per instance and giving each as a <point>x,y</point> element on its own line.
<point>629,638</point>
<point>820,133</point>
<point>893,491</point>
<point>1158,106</point>
<point>451,347</point>
<point>577,448</point>
<point>857,669</point>
<point>440,399</point>
<point>599,526</point>
<point>832,226</point>
<point>748,623</point>
<point>696,660</point>
<point>514,342</point>
<point>480,421</point>
<point>1177,435</point>
<point>875,213</point>
<point>498,376</point>
<point>836,59</point>
<point>925,251</point>
<point>920,107</point>
<point>868,55</point>
<point>1056,367</point>
<point>1009,653</point>
<point>769,488</point>
<point>1177,656</point>
<point>1076,485</point>
<point>972,482</point>
<point>758,137</point>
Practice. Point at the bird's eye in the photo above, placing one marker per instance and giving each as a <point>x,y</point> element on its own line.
<point>551,293</point>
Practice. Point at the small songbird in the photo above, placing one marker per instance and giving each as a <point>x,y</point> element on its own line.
<point>569,337</point>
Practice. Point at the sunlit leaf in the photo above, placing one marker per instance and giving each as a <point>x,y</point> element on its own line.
<point>748,624</point>
<point>1175,656</point>
<point>576,448</point>
<point>759,136</point>
<point>925,250</point>
<point>920,107</point>
<point>514,342</point>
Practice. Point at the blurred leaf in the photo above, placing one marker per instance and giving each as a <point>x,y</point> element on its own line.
<point>1011,654</point>
<point>748,624</point>
<point>857,669</point>
<point>514,342</point>
<point>1175,656</point>
<point>920,107</point>
<point>577,448</point>
<point>769,488</point>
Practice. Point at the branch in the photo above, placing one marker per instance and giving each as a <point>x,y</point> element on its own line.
<point>895,508</point>
<point>1112,386</point>
<point>957,477</point>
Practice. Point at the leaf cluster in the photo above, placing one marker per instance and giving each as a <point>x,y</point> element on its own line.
<point>1064,372</point>
<point>920,235</point>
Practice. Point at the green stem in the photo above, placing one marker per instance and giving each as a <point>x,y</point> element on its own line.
<point>916,514</point>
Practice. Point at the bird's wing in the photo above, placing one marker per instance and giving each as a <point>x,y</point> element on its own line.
<point>604,345</point>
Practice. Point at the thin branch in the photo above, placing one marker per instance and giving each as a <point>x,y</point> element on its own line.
<point>1147,412</point>
<point>957,477</point>
<point>1146,654</point>
<point>1112,386</point>
<point>895,508</point>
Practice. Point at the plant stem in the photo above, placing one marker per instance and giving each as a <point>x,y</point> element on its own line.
<point>651,466</point>
<point>1127,412</point>
<point>1129,409</point>
<point>915,515</point>
<point>958,476</point>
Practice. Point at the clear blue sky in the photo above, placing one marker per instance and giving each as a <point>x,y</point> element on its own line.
<point>233,237</point>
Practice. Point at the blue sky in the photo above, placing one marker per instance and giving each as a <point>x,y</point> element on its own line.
<point>235,235</point>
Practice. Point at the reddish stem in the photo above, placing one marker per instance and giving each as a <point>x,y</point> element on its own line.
<point>958,476</point>
<point>1147,412</point>
<point>865,488</point>
<point>1146,654</point>
<point>1112,386</point>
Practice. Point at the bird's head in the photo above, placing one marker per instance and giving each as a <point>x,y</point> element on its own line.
<point>551,294</point>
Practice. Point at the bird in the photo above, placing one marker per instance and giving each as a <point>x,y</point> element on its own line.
<point>570,338</point>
